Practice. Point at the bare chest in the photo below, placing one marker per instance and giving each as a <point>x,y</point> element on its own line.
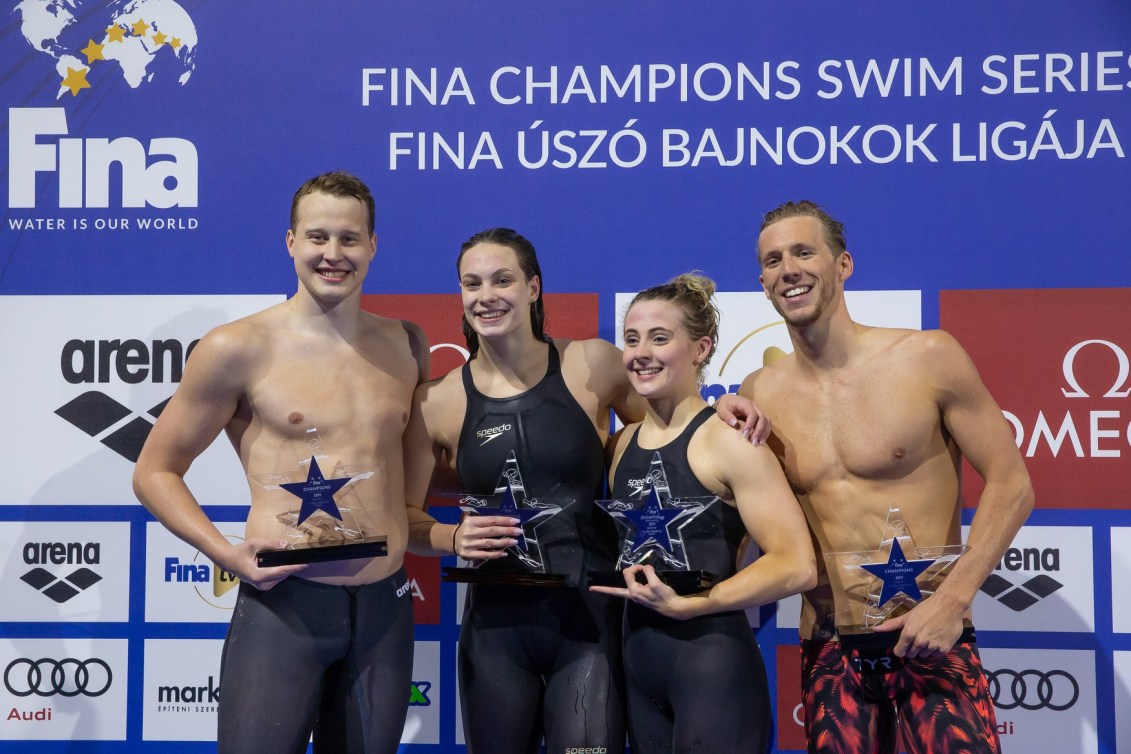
<point>339,393</point>
<point>867,428</point>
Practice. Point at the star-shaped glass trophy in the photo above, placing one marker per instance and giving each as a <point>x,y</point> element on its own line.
<point>895,577</point>
<point>670,534</point>
<point>318,511</point>
<point>525,563</point>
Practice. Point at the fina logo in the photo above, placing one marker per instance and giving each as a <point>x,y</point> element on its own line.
<point>84,166</point>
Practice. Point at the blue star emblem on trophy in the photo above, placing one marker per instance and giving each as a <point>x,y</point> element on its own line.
<point>898,574</point>
<point>508,506</point>
<point>650,523</point>
<point>907,575</point>
<point>654,529</point>
<point>317,492</point>
<point>510,493</point>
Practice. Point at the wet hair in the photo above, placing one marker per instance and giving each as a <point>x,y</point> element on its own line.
<point>834,229</point>
<point>337,183</point>
<point>527,262</point>
<point>694,295</point>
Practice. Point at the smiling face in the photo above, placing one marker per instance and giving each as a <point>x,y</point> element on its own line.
<point>801,275</point>
<point>496,293</point>
<point>331,246</point>
<point>661,357</point>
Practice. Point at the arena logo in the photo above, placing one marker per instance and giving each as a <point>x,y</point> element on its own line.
<point>418,694</point>
<point>46,677</point>
<point>61,588</point>
<point>1055,690</point>
<point>1022,596</point>
<point>131,361</point>
<point>84,166</point>
<point>1101,428</point>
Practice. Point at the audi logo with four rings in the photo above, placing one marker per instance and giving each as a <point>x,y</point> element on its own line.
<point>66,677</point>
<point>1033,689</point>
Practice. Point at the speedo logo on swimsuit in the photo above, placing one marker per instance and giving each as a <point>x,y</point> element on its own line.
<point>487,435</point>
<point>586,750</point>
<point>638,487</point>
<point>1029,592</point>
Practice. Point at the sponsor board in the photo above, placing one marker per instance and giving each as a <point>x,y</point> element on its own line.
<point>63,689</point>
<point>1059,364</point>
<point>789,612</point>
<point>424,585</point>
<point>182,689</point>
<point>95,372</point>
<point>790,726</point>
<point>1043,583</point>
<point>1122,665</point>
<point>1120,578</point>
<point>1044,699</point>
<point>181,584</point>
<point>65,571</point>
<point>423,723</point>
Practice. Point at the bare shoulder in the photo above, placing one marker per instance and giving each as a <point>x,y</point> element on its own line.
<point>934,352</point>
<point>593,354</point>
<point>235,348</point>
<point>594,365</point>
<point>441,401</point>
<point>762,384</point>
<point>398,338</point>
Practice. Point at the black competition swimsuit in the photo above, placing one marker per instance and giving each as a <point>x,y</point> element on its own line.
<point>540,662</point>
<point>694,685</point>
<point>304,655</point>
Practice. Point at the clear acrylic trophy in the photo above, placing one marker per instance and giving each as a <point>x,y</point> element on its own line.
<point>525,563</point>
<point>659,530</point>
<point>882,583</point>
<point>320,518</point>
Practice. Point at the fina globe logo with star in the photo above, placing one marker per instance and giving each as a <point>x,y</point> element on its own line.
<point>152,39</point>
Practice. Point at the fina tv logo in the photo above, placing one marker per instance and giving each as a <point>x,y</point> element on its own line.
<point>131,361</point>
